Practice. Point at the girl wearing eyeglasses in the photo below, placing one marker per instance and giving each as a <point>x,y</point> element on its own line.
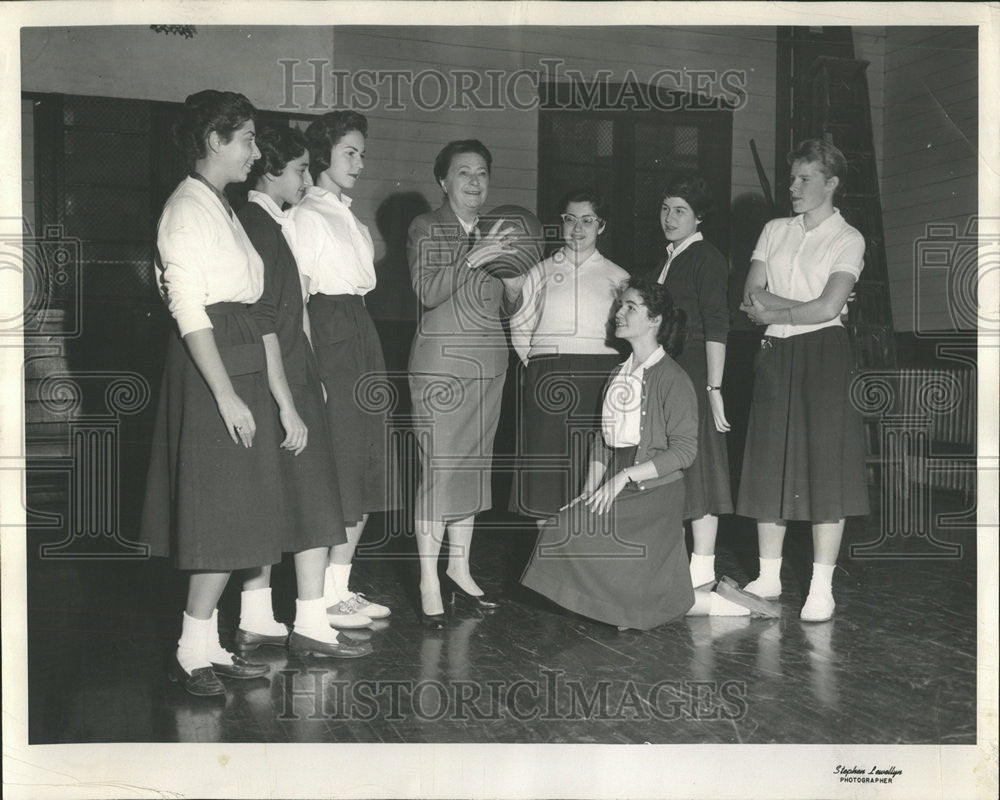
<point>560,334</point>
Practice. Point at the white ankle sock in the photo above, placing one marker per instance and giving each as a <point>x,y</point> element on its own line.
<point>217,654</point>
<point>721,607</point>
<point>192,646</point>
<point>257,614</point>
<point>342,577</point>
<point>310,620</point>
<point>702,569</point>
<point>703,562</point>
<point>822,578</point>
<point>770,570</point>
<point>331,592</point>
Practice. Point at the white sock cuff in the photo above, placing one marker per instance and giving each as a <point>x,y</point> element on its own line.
<point>697,559</point>
<point>823,573</point>
<point>310,613</point>
<point>770,567</point>
<point>342,577</point>
<point>194,630</point>
<point>331,592</point>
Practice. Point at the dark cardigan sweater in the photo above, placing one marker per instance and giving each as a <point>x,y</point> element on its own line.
<point>668,434</point>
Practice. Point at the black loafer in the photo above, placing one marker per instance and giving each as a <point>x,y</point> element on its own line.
<point>244,641</point>
<point>300,645</point>
<point>202,682</point>
<point>241,669</point>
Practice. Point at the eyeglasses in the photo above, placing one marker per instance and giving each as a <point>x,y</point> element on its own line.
<point>588,221</point>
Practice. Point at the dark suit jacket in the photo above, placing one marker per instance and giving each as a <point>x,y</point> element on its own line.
<point>459,332</point>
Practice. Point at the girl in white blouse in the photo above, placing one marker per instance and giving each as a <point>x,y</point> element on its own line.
<point>335,255</point>
<point>214,456</point>
<point>561,334</point>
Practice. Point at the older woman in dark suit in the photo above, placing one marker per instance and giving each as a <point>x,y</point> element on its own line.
<point>457,368</point>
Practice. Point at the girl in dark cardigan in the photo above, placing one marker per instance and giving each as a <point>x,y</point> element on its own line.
<point>616,553</point>
<point>308,476</point>
<point>696,275</point>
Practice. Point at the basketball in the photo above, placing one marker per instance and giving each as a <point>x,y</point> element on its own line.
<point>527,240</point>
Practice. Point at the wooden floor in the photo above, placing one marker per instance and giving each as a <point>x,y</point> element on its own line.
<point>896,665</point>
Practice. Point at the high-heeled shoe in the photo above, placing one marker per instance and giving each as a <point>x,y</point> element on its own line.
<point>433,622</point>
<point>480,601</point>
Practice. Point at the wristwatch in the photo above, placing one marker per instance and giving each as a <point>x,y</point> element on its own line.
<point>713,388</point>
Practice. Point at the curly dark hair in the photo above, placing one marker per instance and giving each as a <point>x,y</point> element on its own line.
<point>206,112</point>
<point>325,132</point>
<point>658,302</point>
<point>278,145</point>
<point>443,161</point>
<point>585,195</point>
<point>692,189</point>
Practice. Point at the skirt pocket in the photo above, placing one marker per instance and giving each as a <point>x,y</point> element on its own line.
<point>331,325</point>
<point>243,359</point>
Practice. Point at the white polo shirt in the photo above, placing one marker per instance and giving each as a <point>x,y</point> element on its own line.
<point>799,262</point>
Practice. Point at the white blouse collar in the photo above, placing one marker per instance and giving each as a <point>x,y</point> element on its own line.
<point>266,202</point>
<point>654,357</point>
<point>673,250</point>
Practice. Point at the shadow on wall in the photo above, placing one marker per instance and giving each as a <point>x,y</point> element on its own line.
<point>393,304</point>
<point>749,213</point>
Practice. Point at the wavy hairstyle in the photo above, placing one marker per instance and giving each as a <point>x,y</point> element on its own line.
<point>693,190</point>
<point>658,302</point>
<point>325,132</point>
<point>278,145</point>
<point>585,195</point>
<point>442,163</point>
<point>210,111</point>
<point>829,159</point>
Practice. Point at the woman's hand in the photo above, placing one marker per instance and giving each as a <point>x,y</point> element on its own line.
<point>512,286</point>
<point>718,411</point>
<point>296,432</point>
<point>599,502</point>
<point>491,246</point>
<point>238,418</point>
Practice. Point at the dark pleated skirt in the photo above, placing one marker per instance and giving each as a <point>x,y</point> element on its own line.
<point>805,453</point>
<point>312,488</point>
<point>455,421</point>
<point>707,479</point>
<point>560,414</point>
<point>212,504</point>
<point>628,567</point>
<point>352,368</point>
